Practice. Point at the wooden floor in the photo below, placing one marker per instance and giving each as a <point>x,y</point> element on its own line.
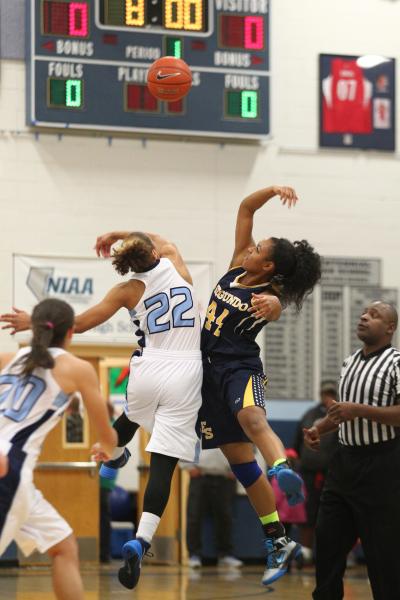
<point>177,583</point>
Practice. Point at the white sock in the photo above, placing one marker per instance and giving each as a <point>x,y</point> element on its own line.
<point>147,526</point>
<point>117,452</point>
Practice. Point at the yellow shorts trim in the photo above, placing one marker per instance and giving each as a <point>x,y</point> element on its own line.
<point>248,399</point>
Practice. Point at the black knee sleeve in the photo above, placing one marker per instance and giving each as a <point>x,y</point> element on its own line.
<point>125,429</point>
<point>158,487</point>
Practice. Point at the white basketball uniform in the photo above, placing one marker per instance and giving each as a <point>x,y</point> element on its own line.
<point>164,387</point>
<point>29,409</point>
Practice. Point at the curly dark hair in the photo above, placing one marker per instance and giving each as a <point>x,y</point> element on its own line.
<point>51,319</point>
<point>297,269</point>
<point>135,254</point>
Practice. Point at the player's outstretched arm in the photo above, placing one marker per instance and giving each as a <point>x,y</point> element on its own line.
<point>116,298</point>
<point>123,295</point>
<point>87,384</point>
<point>245,216</point>
<point>18,320</point>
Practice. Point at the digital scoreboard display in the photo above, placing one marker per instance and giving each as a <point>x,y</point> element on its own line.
<point>88,62</point>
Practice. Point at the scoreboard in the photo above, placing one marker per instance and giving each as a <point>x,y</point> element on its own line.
<point>88,62</point>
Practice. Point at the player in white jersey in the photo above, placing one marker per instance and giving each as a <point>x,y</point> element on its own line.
<point>36,385</point>
<point>164,388</point>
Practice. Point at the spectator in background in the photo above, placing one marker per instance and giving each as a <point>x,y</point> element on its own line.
<point>74,432</point>
<point>212,491</point>
<point>313,465</point>
<point>106,487</point>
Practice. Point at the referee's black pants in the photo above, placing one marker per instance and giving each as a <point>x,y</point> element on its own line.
<point>360,499</point>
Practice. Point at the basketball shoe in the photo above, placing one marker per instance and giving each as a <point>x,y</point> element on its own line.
<point>289,482</point>
<point>280,551</point>
<point>132,552</point>
<point>108,470</point>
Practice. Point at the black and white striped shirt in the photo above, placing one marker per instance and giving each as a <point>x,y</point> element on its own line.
<point>373,380</point>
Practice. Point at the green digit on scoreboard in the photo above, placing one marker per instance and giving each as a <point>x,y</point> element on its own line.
<point>242,104</point>
<point>65,93</point>
<point>249,105</point>
<point>73,93</point>
<point>173,47</point>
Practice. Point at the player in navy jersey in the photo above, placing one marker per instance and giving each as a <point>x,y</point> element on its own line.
<point>36,386</point>
<point>232,415</point>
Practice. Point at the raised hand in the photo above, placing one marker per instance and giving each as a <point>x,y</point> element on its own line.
<point>105,241</point>
<point>19,320</point>
<point>287,195</point>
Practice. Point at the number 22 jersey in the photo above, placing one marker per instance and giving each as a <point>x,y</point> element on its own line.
<point>167,316</point>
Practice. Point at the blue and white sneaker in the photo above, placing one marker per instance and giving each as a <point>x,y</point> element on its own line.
<point>133,552</point>
<point>108,470</point>
<point>289,482</point>
<point>280,551</point>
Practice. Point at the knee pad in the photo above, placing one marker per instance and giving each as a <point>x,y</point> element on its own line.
<point>247,473</point>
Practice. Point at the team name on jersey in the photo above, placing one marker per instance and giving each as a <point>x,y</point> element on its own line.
<point>229,298</point>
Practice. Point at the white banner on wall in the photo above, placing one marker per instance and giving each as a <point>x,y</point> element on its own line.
<point>83,282</point>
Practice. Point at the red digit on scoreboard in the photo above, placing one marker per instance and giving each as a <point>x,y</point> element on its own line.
<point>246,32</point>
<point>67,19</point>
<point>78,19</point>
<point>254,33</point>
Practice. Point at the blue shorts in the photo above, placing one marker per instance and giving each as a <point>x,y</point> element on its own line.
<point>227,388</point>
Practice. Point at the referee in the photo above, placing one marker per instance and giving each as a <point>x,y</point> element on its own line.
<point>361,496</point>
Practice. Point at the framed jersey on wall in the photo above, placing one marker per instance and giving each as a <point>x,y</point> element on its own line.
<point>357,102</point>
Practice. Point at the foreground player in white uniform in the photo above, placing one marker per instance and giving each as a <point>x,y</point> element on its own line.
<point>36,385</point>
<point>164,388</point>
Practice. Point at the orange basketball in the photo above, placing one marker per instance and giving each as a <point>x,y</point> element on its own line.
<point>169,78</point>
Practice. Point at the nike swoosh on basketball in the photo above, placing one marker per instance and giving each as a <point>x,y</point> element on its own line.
<point>161,76</point>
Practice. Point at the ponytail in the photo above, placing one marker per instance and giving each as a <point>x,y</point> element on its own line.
<point>297,270</point>
<point>51,319</point>
<point>134,254</point>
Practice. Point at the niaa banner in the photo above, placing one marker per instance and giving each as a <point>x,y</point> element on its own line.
<point>83,282</point>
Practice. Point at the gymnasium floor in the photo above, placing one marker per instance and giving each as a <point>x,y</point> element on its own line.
<point>177,583</point>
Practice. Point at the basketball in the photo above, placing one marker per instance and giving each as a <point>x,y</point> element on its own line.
<point>169,79</point>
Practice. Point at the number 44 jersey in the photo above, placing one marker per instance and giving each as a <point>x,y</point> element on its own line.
<point>167,316</point>
<point>230,330</point>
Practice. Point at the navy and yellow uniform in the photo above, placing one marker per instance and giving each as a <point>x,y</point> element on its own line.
<point>233,375</point>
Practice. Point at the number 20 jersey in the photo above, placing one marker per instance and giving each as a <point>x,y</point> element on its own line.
<point>167,316</point>
<point>31,406</point>
<point>230,330</point>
